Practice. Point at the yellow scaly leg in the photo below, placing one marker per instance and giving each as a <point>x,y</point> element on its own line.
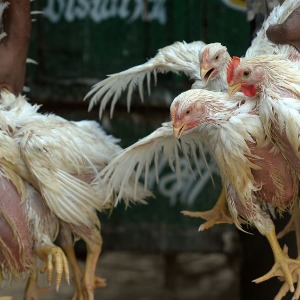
<point>294,224</point>
<point>283,267</point>
<point>217,215</point>
<point>90,280</point>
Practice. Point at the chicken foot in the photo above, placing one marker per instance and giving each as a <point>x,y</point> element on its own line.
<point>295,221</point>
<point>217,215</point>
<point>286,268</point>
<point>283,267</point>
<point>54,258</point>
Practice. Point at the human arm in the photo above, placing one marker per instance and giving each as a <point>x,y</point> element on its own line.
<point>287,32</point>
<point>14,46</point>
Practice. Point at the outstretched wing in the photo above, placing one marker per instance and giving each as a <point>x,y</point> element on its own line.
<point>178,57</point>
<point>134,162</point>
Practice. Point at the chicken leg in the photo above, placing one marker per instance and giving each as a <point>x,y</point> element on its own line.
<point>283,266</point>
<point>87,282</point>
<point>66,242</point>
<point>217,215</point>
<point>294,224</point>
<point>90,281</point>
<point>32,291</point>
<point>290,226</point>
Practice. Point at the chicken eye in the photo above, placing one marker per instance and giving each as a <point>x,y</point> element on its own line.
<point>246,73</point>
<point>188,111</point>
<point>217,58</point>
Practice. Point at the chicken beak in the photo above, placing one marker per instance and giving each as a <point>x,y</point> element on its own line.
<point>234,88</point>
<point>205,73</point>
<point>178,131</point>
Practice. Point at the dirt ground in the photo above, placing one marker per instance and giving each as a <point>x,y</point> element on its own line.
<point>139,276</point>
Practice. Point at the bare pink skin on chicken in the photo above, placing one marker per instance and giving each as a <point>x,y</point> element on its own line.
<point>272,165</point>
<point>16,246</point>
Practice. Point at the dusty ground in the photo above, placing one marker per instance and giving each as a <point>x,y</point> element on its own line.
<point>137,276</point>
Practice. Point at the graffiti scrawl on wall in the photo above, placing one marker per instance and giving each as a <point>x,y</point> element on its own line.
<point>186,190</point>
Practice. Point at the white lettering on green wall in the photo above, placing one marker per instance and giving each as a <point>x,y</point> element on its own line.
<point>102,10</point>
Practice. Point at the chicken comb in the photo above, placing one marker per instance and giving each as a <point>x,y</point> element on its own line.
<point>234,62</point>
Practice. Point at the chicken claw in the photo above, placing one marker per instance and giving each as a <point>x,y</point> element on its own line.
<point>212,217</point>
<point>217,215</point>
<point>286,268</point>
<point>285,287</point>
<point>55,259</point>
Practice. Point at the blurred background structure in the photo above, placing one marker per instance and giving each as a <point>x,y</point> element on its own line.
<point>151,251</point>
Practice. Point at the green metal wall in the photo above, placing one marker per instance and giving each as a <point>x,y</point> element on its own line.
<point>81,41</point>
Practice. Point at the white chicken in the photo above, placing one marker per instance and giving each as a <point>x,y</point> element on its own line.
<point>276,83</point>
<point>28,228</point>
<point>61,159</point>
<point>234,135</point>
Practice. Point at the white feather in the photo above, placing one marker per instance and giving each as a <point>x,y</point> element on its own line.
<point>61,159</point>
<point>138,157</point>
<point>179,57</point>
